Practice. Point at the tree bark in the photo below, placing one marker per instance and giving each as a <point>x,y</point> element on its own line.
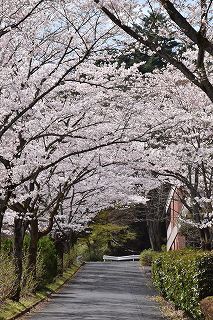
<point>206,239</point>
<point>154,231</point>
<point>19,231</point>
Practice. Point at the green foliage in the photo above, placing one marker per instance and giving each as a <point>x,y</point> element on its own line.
<point>11,310</point>
<point>7,270</point>
<point>48,259</point>
<point>69,258</point>
<point>163,248</point>
<point>29,284</point>
<point>7,275</point>
<point>80,251</point>
<point>104,238</point>
<point>7,245</point>
<point>184,277</point>
<point>26,243</point>
<point>150,27</point>
<point>46,266</point>
<point>147,256</point>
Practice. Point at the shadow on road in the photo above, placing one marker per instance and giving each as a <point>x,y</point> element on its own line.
<point>102,291</point>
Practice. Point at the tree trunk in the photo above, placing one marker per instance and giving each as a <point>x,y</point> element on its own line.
<point>18,257</point>
<point>206,239</point>
<point>154,231</point>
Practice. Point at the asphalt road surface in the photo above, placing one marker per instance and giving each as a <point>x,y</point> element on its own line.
<point>103,291</point>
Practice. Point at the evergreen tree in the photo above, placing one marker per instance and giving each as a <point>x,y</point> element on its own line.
<point>150,29</point>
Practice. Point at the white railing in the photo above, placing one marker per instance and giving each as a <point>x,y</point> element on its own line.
<point>133,257</point>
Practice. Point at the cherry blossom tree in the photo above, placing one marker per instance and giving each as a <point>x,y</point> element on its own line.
<point>79,133</point>
<point>56,145</point>
<point>42,42</point>
<point>47,117</point>
<point>179,152</point>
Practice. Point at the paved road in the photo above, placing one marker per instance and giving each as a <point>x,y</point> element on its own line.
<point>103,291</point>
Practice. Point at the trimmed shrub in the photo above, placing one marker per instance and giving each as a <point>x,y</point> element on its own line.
<point>184,277</point>
<point>146,257</point>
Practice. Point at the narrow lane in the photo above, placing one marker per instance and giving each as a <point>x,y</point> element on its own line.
<point>103,291</point>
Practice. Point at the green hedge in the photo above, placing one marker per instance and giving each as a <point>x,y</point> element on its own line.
<point>48,257</point>
<point>147,256</point>
<point>184,277</point>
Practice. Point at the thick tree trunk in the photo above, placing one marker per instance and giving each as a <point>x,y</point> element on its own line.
<point>154,231</point>
<point>18,257</point>
<point>206,239</point>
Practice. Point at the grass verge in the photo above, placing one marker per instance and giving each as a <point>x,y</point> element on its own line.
<point>10,310</point>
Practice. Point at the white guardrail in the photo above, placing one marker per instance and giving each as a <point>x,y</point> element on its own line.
<point>133,257</point>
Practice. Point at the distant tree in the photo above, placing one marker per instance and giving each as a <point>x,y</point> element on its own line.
<point>106,237</point>
<point>191,22</point>
<point>147,60</point>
